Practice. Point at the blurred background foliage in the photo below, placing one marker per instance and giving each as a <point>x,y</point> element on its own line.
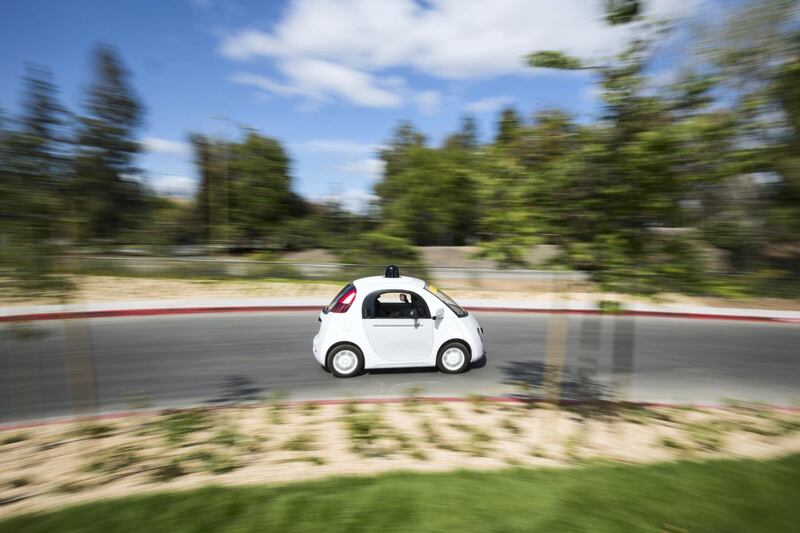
<point>671,185</point>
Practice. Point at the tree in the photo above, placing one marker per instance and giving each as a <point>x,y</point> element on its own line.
<point>622,11</point>
<point>41,155</point>
<point>404,137</point>
<point>261,185</point>
<point>547,139</point>
<point>507,126</point>
<point>466,138</point>
<point>431,200</point>
<point>606,191</point>
<point>757,55</point>
<point>506,217</point>
<point>554,59</point>
<point>108,200</point>
<point>245,187</point>
<point>33,170</point>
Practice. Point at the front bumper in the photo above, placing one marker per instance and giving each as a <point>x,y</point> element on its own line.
<point>476,358</point>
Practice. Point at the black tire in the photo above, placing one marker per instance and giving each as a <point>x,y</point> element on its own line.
<point>447,346</point>
<point>339,373</point>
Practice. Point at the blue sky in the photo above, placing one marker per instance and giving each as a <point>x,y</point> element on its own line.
<point>328,78</point>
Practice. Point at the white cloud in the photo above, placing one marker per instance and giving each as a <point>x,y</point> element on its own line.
<point>428,101</point>
<point>263,83</point>
<point>337,146</point>
<point>344,49</point>
<point>355,201</point>
<point>452,39</point>
<point>318,80</point>
<point>173,185</point>
<point>165,146</point>
<point>323,77</point>
<point>489,105</point>
<point>368,168</point>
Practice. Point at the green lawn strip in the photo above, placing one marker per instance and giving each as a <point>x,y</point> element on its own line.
<point>722,495</point>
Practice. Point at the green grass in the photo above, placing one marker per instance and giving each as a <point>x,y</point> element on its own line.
<point>747,496</point>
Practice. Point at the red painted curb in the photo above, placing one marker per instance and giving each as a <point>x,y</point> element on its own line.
<point>68,315</point>
<point>656,314</point>
<point>156,311</point>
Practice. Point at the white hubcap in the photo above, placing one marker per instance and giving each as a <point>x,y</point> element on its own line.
<point>345,362</point>
<point>453,358</point>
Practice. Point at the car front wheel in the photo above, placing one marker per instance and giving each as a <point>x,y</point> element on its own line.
<point>453,358</point>
<point>346,361</point>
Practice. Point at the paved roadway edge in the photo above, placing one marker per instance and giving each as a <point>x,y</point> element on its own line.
<point>108,313</point>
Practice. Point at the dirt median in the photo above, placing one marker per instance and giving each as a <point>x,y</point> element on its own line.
<point>57,464</point>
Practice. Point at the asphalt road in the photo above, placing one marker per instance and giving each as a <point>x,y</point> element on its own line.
<point>190,359</point>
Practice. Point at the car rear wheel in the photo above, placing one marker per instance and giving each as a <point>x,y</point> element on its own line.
<point>453,358</point>
<point>346,361</point>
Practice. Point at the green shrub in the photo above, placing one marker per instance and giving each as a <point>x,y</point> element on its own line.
<point>13,439</point>
<point>19,482</point>
<point>479,402</point>
<point>93,431</point>
<point>168,471</point>
<point>302,442</point>
<point>227,436</point>
<point>177,426</point>
<point>508,424</point>
<point>115,460</point>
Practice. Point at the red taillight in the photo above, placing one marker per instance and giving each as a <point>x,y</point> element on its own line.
<point>344,303</point>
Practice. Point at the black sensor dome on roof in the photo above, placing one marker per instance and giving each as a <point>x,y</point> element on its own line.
<point>392,272</point>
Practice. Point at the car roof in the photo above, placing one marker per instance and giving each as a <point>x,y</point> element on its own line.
<point>380,282</point>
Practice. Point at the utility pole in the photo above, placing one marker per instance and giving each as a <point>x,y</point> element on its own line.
<point>225,185</point>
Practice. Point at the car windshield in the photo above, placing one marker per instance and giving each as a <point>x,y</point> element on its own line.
<point>449,302</point>
<point>338,295</point>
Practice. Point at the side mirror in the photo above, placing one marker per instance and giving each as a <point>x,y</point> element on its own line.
<point>439,314</point>
<point>414,314</point>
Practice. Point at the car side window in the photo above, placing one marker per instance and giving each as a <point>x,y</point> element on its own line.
<point>394,304</point>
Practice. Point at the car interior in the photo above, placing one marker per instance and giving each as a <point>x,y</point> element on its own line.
<point>394,304</point>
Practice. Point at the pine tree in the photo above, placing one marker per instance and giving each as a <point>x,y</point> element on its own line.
<point>508,126</point>
<point>41,155</point>
<point>34,165</point>
<point>109,201</point>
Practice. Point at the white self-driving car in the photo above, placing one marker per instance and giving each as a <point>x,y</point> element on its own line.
<point>391,322</point>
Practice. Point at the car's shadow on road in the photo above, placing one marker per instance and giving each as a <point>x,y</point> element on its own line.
<point>529,380</point>
<point>237,389</point>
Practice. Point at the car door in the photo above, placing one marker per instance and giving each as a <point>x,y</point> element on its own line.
<point>393,333</point>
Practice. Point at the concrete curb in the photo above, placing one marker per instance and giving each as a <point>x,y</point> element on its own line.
<point>8,314</point>
<point>107,313</point>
